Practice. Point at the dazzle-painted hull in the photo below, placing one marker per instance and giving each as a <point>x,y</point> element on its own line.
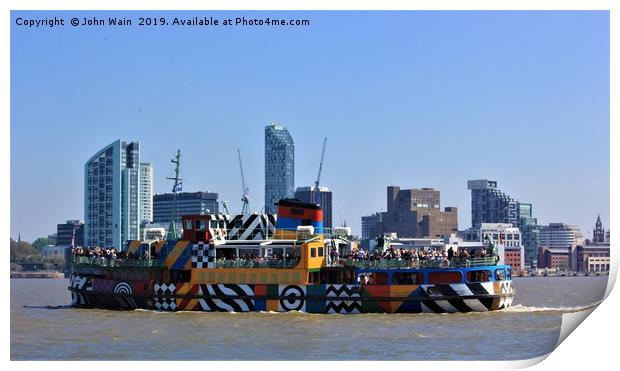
<point>311,298</point>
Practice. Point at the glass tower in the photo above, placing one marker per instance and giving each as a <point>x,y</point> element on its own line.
<point>111,195</point>
<point>279,166</point>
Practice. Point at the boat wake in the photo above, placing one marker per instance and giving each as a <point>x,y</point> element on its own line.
<point>526,309</point>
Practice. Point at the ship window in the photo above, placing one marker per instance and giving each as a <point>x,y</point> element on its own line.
<point>238,223</point>
<point>201,225</point>
<point>222,224</point>
<point>478,276</point>
<point>320,250</point>
<point>406,278</point>
<point>212,224</point>
<point>500,275</point>
<point>509,274</point>
<point>313,252</point>
<point>188,225</point>
<point>444,277</point>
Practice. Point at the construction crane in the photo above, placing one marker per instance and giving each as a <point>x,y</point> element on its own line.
<point>245,198</point>
<point>318,177</point>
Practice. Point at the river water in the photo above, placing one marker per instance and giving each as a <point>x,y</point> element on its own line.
<point>45,327</point>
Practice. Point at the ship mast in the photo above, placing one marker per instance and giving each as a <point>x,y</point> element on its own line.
<point>172,230</point>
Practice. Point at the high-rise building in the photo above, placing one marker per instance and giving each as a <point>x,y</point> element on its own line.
<point>598,234</point>
<point>279,166</point>
<point>415,213</point>
<point>530,230</point>
<point>323,197</point>
<point>112,195</point>
<point>71,232</point>
<point>564,237</point>
<point>369,225</point>
<point>188,203</point>
<point>489,204</point>
<point>146,193</point>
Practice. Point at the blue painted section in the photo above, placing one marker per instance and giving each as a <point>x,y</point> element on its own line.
<point>164,251</point>
<point>315,306</point>
<point>260,305</point>
<point>411,306</point>
<point>183,258</point>
<point>291,224</point>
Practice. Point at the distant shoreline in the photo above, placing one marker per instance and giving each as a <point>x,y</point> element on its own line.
<point>41,274</point>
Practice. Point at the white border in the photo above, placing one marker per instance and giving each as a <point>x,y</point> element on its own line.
<point>595,347</point>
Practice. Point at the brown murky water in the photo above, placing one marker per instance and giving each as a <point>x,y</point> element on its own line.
<point>44,327</point>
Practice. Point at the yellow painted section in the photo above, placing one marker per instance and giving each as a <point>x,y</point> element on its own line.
<point>183,291</point>
<point>272,305</point>
<point>306,251</point>
<point>175,253</point>
<point>282,234</point>
<point>134,245</point>
<point>249,276</point>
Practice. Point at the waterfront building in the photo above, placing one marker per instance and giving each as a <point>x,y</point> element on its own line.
<point>560,236</point>
<point>598,234</point>
<point>188,203</point>
<point>415,213</point>
<point>593,258</point>
<point>279,166</point>
<point>112,195</point>
<point>507,239</point>
<point>71,232</point>
<point>555,258</point>
<point>322,196</point>
<point>146,193</point>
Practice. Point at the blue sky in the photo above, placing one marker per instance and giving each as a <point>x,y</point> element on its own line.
<point>416,99</point>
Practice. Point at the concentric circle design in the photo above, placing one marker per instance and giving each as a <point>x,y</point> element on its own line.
<point>293,301</point>
<point>125,290</point>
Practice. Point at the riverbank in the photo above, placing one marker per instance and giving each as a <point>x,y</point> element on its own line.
<point>38,274</point>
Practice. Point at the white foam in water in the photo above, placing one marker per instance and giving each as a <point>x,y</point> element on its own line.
<point>523,309</point>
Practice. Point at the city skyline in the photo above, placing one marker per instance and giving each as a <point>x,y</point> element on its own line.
<point>533,87</point>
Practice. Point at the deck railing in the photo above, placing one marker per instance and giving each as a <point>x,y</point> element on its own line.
<point>414,263</point>
<point>112,263</point>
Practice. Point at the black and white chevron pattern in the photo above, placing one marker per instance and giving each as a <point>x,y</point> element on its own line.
<point>506,288</point>
<point>454,305</point>
<point>81,283</point>
<point>251,227</point>
<point>340,293</point>
<point>227,298</point>
<point>164,296</point>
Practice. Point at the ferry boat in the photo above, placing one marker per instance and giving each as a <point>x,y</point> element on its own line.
<point>284,262</point>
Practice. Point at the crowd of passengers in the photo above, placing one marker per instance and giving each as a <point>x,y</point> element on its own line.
<point>99,252</point>
<point>257,258</point>
<point>411,254</point>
